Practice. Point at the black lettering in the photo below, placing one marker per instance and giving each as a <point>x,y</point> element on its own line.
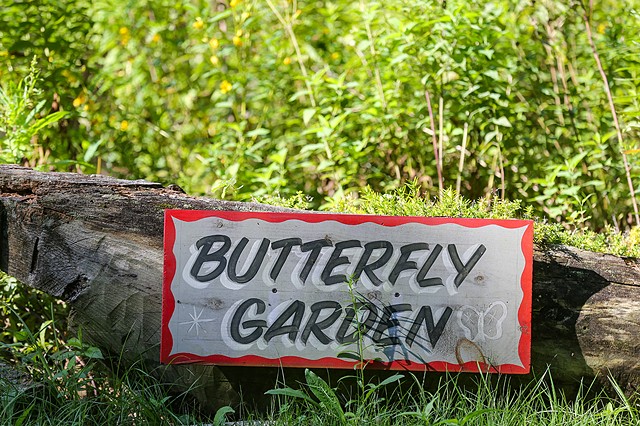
<point>403,262</point>
<point>386,322</point>
<point>429,282</point>
<point>286,245</point>
<point>361,328</point>
<point>314,247</point>
<point>369,268</point>
<point>295,312</point>
<point>317,327</point>
<point>336,260</point>
<point>232,271</point>
<point>434,331</point>
<point>464,269</point>
<point>205,244</point>
<point>258,325</point>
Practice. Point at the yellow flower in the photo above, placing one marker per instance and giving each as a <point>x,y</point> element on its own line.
<point>335,56</point>
<point>214,60</point>
<point>239,33</point>
<point>286,60</point>
<point>214,43</point>
<point>237,41</point>
<point>234,3</point>
<point>602,28</point>
<point>124,35</point>
<point>124,125</point>
<point>198,24</point>
<point>225,87</point>
<point>245,15</point>
<point>79,100</point>
<point>156,38</point>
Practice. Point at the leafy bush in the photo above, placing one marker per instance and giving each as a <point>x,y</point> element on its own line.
<point>251,97</point>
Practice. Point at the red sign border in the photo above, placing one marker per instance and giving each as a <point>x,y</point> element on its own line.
<point>168,301</point>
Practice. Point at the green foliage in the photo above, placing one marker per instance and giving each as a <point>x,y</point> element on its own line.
<point>69,385</point>
<point>254,97</point>
<point>20,118</point>
<point>24,309</point>
<point>325,401</point>
<point>489,400</point>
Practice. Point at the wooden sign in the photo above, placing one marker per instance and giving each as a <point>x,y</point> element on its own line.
<point>329,290</point>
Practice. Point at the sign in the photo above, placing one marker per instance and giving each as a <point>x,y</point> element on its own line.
<point>332,290</point>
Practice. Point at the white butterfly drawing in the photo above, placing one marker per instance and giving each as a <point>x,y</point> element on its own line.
<point>479,325</point>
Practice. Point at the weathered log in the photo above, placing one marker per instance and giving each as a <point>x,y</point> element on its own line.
<point>96,242</point>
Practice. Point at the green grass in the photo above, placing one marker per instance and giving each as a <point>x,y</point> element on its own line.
<point>71,384</point>
<point>489,401</point>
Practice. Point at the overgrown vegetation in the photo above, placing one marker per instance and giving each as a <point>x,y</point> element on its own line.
<point>528,100</point>
<point>71,386</point>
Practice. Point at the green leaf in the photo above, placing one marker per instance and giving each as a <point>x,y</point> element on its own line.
<point>218,16</point>
<point>492,74</point>
<point>502,121</point>
<point>324,393</point>
<point>91,151</point>
<point>293,393</point>
<point>389,380</point>
<point>49,119</point>
<point>258,132</point>
<point>221,415</point>
<point>307,115</point>
<point>93,353</point>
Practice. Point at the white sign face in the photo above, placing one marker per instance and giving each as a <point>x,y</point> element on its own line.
<point>319,290</point>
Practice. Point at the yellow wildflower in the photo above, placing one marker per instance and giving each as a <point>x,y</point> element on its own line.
<point>198,24</point>
<point>335,56</point>
<point>124,31</point>
<point>225,87</point>
<point>237,41</point>
<point>214,43</point>
<point>156,38</point>
<point>234,3</point>
<point>286,60</point>
<point>245,15</point>
<point>214,60</point>
<point>601,28</point>
<point>124,125</point>
<point>79,100</point>
<point>239,33</point>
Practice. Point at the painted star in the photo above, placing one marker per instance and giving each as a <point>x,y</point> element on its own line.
<point>196,321</point>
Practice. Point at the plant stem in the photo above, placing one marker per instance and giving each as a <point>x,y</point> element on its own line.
<point>372,49</point>
<point>288,26</point>
<point>465,133</point>
<point>607,89</point>
<point>435,141</point>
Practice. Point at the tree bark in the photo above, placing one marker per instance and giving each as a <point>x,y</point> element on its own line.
<point>96,243</point>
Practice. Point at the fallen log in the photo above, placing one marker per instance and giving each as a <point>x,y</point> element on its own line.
<point>96,243</point>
